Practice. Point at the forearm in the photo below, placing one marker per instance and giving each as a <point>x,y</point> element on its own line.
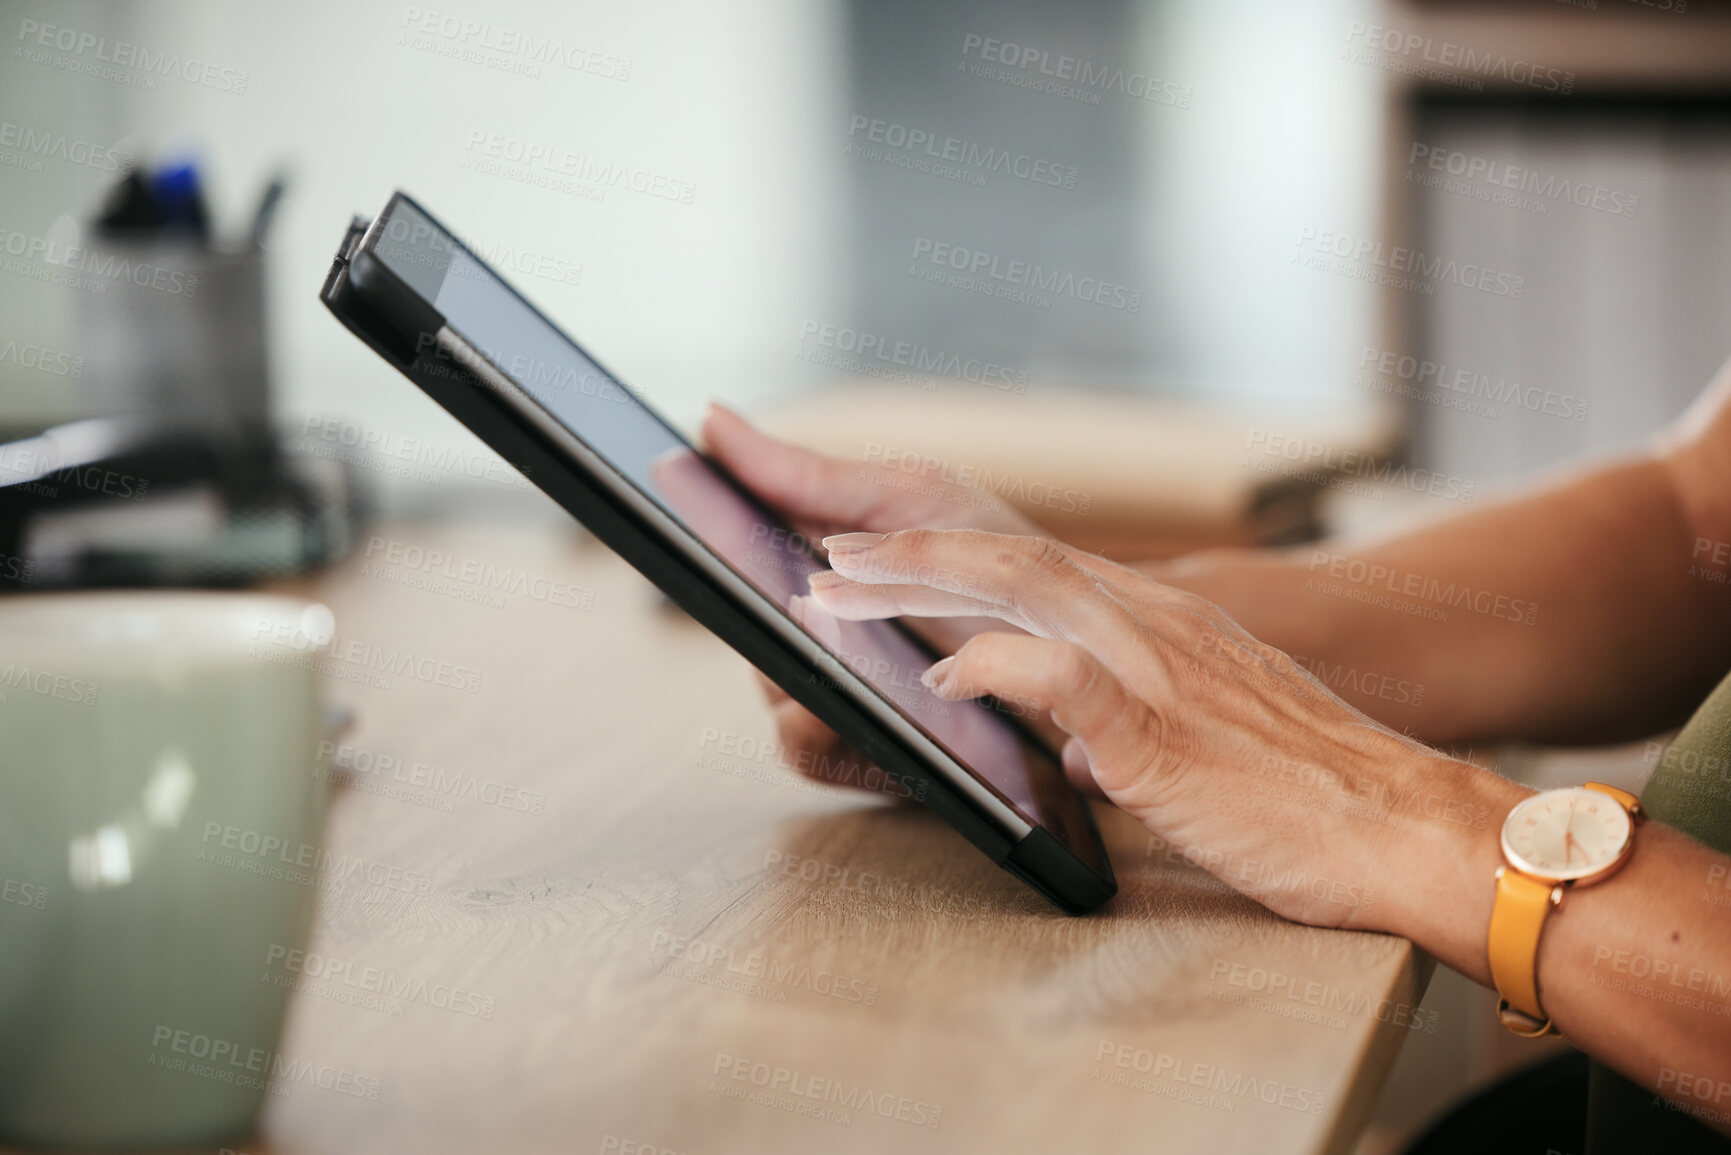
<point>1212,740</point>
<point>1635,970</point>
<point>1573,614</point>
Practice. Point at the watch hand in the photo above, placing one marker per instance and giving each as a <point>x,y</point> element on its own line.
<point>1568,847</point>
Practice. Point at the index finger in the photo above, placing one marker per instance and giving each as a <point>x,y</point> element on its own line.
<point>816,487</point>
<point>1027,581</point>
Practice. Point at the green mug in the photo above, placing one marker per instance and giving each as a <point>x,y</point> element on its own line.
<point>159,835</point>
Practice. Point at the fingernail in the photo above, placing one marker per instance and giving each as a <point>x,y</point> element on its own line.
<point>851,542</point>
<point>824,579</point>
<point>938,673</point>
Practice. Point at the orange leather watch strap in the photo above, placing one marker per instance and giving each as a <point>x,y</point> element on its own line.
<point>1624,799</point>
<point>1517,920</point>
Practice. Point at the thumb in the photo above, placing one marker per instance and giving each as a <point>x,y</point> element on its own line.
<point>1079,771</point>
<point>803,484</point>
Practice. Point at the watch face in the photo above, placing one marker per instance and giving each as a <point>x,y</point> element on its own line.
<point>1566,834</point>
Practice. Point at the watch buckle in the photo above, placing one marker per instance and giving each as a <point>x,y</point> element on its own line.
<point>1523,1024</point>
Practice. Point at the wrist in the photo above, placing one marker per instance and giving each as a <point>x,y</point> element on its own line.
<point>1439,858</point>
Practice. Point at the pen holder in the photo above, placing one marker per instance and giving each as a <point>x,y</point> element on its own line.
<point>175,333</point>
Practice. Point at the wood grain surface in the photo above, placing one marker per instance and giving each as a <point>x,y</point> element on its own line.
<point>609,918</point>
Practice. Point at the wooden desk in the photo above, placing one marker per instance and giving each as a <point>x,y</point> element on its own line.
<point>823,935</point>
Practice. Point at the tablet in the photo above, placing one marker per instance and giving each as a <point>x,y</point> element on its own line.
<point>424,302</point>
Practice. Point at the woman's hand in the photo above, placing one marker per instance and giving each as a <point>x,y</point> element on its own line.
<point>1227,749</point>
<point>1220,745</point>
<point>823,495</point>
<point>826,495</point>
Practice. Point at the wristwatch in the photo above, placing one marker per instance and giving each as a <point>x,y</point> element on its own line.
<point>1552,841</point>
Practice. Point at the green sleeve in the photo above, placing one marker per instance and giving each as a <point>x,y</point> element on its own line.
<point>1691,790</point>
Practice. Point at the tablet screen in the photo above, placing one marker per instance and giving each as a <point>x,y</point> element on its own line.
<point>733,526</point>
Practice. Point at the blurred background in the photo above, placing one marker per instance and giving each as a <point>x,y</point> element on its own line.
<point>1220,229</point>
<point>1220,153</point>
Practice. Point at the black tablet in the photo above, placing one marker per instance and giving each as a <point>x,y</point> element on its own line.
<point>424,302</point>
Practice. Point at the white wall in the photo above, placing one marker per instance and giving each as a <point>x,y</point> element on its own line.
<point>747,100</point>
<point>1283,134</point>
<point>683,300</point>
